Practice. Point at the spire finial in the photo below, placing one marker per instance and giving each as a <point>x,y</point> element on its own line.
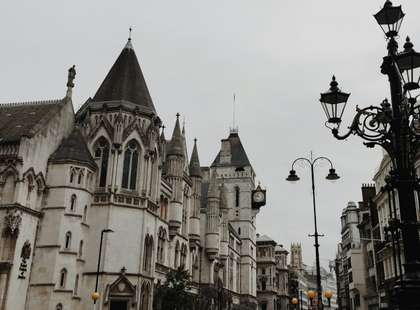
<point>177,115</point>
<point>195,140</point>
<point>234,128</point>
<point>129,33</point>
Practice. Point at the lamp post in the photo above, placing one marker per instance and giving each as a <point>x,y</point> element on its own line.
<point>311,294</point>
<point>328,295</point>
<point>394,127</point>
<point>332,176</point>
<point>95,294</point>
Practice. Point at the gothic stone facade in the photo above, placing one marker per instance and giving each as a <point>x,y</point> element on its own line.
<point>65,177</point>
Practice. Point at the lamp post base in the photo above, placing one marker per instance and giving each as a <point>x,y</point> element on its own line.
<point>406,294</point>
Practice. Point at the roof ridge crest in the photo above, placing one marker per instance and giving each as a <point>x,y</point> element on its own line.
<point>27,103</point>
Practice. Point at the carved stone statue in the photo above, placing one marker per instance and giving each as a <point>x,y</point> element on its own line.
<point>12,222</point>
<point>26,250</point>
<point>71,76</point>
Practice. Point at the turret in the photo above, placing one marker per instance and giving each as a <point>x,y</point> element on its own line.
<point>195,174</point>
<point>174,173</point>
<point>212,229</point>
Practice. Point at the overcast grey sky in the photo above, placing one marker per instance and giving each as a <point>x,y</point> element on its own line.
<point>276,55</point>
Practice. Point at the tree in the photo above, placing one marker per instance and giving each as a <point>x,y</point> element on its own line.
<point>173,295</point>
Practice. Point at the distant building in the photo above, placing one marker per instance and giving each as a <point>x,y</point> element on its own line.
<point>272,275</point>
<point>303,278</point>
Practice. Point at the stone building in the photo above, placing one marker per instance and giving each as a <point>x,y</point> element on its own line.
<point>272,274</point>
<point>304,278</point>
<point>350,261</point>
<point>66,176</point>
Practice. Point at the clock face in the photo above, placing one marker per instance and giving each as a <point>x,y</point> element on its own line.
<point>259,197</point>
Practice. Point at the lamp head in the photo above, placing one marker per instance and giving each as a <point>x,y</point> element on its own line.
<point>390,19</point>
<point>292,176</point>
<point>332,175</point>
<point>334,102</point>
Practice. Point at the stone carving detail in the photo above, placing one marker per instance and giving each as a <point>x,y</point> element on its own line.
<point>25,254</point>
<point>12,223</point>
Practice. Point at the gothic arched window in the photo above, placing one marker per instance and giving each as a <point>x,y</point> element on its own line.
<point>148,252</point>
<point>84,219</point>
<point>67,242</point>
<point>63,277</point>
<point>76,285</point>
<point>8,193</point>
<point>101,155</point>
<point>176,258</point>
<point>59,307</point>
<point>183,255</point>
<point>80,249</point>
<point>144,297</point>
<point>131,158</point>
<point>237,196</point>
<point>161,245</point>
<point>73,202</point>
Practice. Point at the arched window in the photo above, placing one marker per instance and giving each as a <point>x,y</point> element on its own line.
<point>148,252</point>
<point>59,307</point>
<point>237,196</point>
<point>183,255</point>
<point>239,230</point>
<point>63,277</point>
<point>144,297</point>
<point>131,158</point>
<point>30,186</point>
<point>71,175</point>
<point>76,285</point>
<point>101,155</point>
<point>84,219</point>
<point>80,176</point>
<point>8,193</point>
<point>161,246</point>
<point>176,258</point>
<point>73,202</point>
<point>67,242</point>
<point>80,253</point>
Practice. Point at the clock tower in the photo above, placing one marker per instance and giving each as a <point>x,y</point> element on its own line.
<point>243,199</point>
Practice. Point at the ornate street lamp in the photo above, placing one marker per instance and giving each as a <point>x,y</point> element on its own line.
<point>390,19</point>
<point>393,127</point>
<point>408,62</point>
<point>311,295</point>
<point>332,176</point>
<point>334,102</point>
<point>328,295</point>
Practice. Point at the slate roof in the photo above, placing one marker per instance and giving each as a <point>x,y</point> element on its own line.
<point>74,148</point>
<point>19,120</point>
<point>125,81</point>
<point>238,154</point>
<point>264,238</point>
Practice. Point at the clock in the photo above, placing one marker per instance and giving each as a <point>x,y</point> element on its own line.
<point>258,197</point>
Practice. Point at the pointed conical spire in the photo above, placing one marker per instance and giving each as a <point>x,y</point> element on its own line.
<point>162,135</point>
<point>125,81</point>
<point>176,145</point>
<point>195,170</point>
